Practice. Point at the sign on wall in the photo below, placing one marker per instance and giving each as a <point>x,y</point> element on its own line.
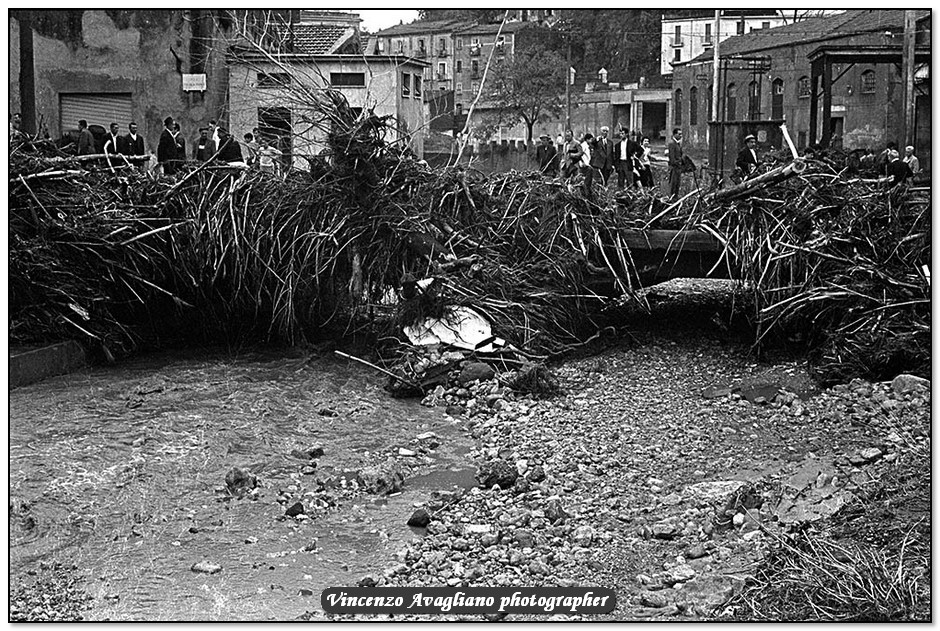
<point>194,82</point>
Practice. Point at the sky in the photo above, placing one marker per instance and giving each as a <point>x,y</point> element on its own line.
<point>375,20</point>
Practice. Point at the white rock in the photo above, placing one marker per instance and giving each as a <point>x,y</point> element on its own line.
<point>738,520</point>
<point>406,452</point>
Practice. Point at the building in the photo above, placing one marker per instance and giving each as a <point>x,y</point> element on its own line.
<point>768,75</point>
<point>278,96</point>
<point>685,37</point>
<point>109,66</point>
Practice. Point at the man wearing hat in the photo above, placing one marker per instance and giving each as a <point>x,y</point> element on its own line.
<point>546,153</point>
<point>747,157</point>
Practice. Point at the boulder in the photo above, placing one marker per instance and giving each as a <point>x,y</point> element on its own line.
<point>554,512</point>
<point>382,479</point>
<point>240,481</point>
<point>475,371</point>
<point>904,384</point>
<point>420,518</point>
<point>297,508</point>
<point>497,472</point>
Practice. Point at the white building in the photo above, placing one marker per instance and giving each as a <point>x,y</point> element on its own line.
<point>685,38</point>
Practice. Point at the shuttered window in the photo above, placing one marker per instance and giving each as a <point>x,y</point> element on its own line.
<point>97,109</point>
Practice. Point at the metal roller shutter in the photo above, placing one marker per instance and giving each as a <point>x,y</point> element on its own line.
<point>97,109</point>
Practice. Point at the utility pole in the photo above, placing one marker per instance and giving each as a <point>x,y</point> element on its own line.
<point>568,87</point>
<point>910,101</point>
<point>27,79</point>
<point>718,141</point>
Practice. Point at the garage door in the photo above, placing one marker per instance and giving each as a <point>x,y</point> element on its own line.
<point>97,109</point>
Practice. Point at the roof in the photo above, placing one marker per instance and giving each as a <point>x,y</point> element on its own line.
<point>846,24</point>
<point>422,27</point>
<point>318,39</point>
<point>509,27</point>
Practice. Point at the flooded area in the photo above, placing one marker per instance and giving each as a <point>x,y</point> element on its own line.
<point>121,471</point>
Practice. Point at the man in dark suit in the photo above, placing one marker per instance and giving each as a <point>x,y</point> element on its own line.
<point>674,147</point>
<point>602,154</point>
<point>546,155</point>
<point>132,144</point>
<point>747,157</point>
<point>167,148</point>
<point>625,150</point>
<point>86,142</point>
<point>229,150</point>
<point>112,146</point>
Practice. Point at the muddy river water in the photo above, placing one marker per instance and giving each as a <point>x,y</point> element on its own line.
<point>121,470</point>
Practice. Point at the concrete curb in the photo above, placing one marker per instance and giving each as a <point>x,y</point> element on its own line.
<point>34,365</point>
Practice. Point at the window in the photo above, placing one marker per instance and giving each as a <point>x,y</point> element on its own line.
<point>474,41</point>
<point>776,100</point>
<point>459,43</point>
<point>765,24</point>
<point>458,68</point>
<point>803,88</point>
<point>474,88</point>
<point>348,79</point>
<point>421,48</point>
<point>753,100</point>
<point>474,67</point>
<point>731,103</point>
<point>677,108</point>
<point>868,82</point>
<point>401,45</point>
<point>693,106</point>
<point>708,33</point>
<point>405,85</point>
<point>417,86</point>
<point>273,80</point>
<point>677,55</point>
<point>678,32</point>
<point>442,69</point>
<point>741,27</point>
<point>458,88</point>
<point>458,109</point>
<point>442,45</point>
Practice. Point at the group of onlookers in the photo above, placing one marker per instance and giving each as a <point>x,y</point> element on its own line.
<point>627,155</point>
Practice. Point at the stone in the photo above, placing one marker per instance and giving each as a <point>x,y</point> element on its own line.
<point>240,481</point>
<point>904,384</point>
<point>461,545</point>
<point>524,538</point>
<point>583,536</point>
<point>297,508</point>
<point>709,492</point>
<point>554,512</point>
<point>680,574</point>
<point>536,473</point>
<point>665,529</point>
<point>656,600</point>
<point>420,518</point>
<point>205,567</point>
<point>538,567</point>
<point>716,392</point>
<point>497,472</point>
<point>408,453</point>
<point>475,371</point>
<point>695,552</point>
<point>367,581</point>
<point>382,479</point>
<point>738,520</point>
<point>522,466</point>
<point>477,529</point>
<point>489,540</point>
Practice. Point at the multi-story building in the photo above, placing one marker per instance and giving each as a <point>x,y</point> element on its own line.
<point>688,36</point>
<point>472,48</point>
<point>853,58</point>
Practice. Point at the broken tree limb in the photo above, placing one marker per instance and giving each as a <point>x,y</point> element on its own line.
<point>379,368</point>
<point>774,176</point>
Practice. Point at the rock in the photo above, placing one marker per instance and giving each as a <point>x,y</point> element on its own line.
<point>738,520</point>
<point>904,384</point>
<point>665,529</point>
<point>489,540</point>
<point>522,466</point>
<point>460,544</point>
<point>420,518</point>
<point>327,412</point>
<point>536,473</point>
<point>240,481</point>
<point>524,538</point>
<point>715,392</point>
<point>522,485</point>
<point>475,371</point>
<point>554,512</point>
<point>297,508</point>
<point>367,581</point>
<point>205,567</point>
<point>381,479</point>
<point>477,529</point>
<point>680,574</point>
<point>538,567</point>
<point>406,452</point>
<point>865,456</point>
<point>653,599</point>
<point>761,391</point>
<point>496,472</point>
<point>709,492</point>
<point>695,552</point>
<point>583,536</point>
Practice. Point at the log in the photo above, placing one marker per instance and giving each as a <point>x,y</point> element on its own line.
<point>774,176</point>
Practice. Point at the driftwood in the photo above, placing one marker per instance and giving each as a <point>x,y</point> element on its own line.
<point>748,187</point>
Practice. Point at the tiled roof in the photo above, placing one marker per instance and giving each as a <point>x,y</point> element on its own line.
<point>317,39</point>
<point>423,26</point>
<point>813,30</point>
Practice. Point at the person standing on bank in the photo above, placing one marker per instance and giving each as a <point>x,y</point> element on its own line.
<point>747,157</point>
<point>911,160</point>
<point>229,149</point>
<point>545,154</point>
<point>572,152</point>
<point>204,149</point>
<point>113,145</point>
<point>133,143</point>
<point>644,169</point>
<point>86,142</point>
<point>167,147</point>
<point>897,169</point>
<point>674,148</point>
<point>624,151</point>
<point>586,169</point>
<point>602,155</point>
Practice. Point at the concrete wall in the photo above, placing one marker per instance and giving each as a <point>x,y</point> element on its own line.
<point>144,53</point>
<point>382,93</point>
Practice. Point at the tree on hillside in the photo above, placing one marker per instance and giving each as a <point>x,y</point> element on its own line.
<point>624,41</point>
<point>485,16</point>
<point>529,86</point>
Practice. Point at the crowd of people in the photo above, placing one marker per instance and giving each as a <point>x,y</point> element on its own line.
<point>627,154</point>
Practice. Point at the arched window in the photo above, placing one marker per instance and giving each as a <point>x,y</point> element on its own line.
<point>776,100</point>
<point>803,88</point>
<point>708,104</point>
<point>677,108</point>
<point>868,82</point>
<point>693,106</point>
<point>753,101</point>
<point>731,103</point>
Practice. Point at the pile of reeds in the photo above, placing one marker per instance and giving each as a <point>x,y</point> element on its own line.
<point>837,264</point>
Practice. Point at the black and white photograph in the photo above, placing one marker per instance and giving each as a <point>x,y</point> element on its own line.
<point>553,315</point>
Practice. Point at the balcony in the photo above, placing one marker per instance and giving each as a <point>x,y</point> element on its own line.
<point>708,43</point>
<point>475,51</point>
<point>677,42</point>
<point>440,76</point>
